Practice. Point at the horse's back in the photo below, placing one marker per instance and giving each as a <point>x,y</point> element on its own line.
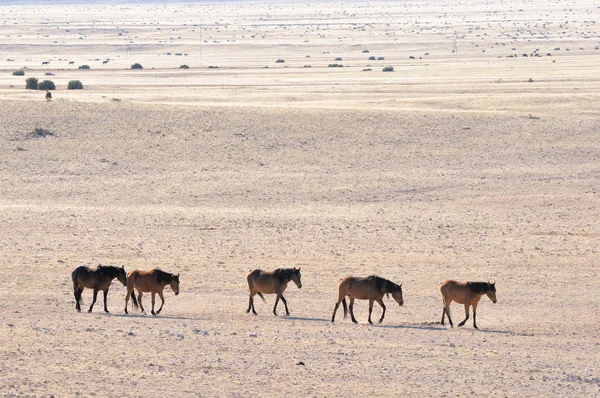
<point>355,286</point>
<point>142,280</point>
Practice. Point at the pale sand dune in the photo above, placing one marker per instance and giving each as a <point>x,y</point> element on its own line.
<point>452,166</point>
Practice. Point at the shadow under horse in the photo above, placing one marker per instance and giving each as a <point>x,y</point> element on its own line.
<point>99,278</point>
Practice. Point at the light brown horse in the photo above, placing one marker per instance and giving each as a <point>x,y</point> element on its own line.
<point>153,281</point>
<point>467,293</point>
<point>98,278</point>
<point>274,282</point>
<point>371,288</point>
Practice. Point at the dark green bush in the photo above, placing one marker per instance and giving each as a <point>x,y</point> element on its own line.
<point>388,69</point>
<point>137,66</point>
<point>19,73</point>
<point>46,85</point>
<point>371,58</point>
<point>280,61</point>
<point>335,66</point>
<point>84,67</point>
<point>74,85</point>
<point>184,67</point>
<point>31,83</point>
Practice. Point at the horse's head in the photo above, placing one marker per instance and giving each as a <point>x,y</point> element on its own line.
<point>122,275</point>
<point>397,294</point>
<point>175,284</point>
<point>491,293</point>
<point>296,277</point>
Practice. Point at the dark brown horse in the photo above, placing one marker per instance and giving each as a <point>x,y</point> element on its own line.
<point>274,282</point>
<point>371,288</point>
<point>98,278</point>
<point>467,293</point>
<point>153,281</point>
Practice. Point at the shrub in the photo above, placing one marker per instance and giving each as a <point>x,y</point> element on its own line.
<point>31,83</point>
<point>388,69</point>
<point>19,73</point>
<point>380,58</point>
<point>371,58</point>
<point>74,85</point>
<point>137,66</point>
<point>338,59</point>
<point>280,61</point>
<point>184,67</point>
<point>365,51</point>
<point>213,67</point>
<point>336,66</point>
<point>84,67</point>
<point>46,85</point>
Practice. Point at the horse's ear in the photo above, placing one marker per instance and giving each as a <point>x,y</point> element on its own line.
<point>298,269</point>
<point>177,276</point>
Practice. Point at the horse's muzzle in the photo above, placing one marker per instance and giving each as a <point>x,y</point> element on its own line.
<point>495,301</point>
<point>177,293</point>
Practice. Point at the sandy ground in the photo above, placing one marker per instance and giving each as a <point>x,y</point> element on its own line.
<point>452,166</point>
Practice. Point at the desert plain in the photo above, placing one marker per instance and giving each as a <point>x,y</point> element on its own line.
<point>468,161</point>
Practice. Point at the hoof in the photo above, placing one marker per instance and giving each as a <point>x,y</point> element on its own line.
<point>89,311</point>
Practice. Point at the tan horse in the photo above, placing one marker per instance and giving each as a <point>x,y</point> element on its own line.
<point>275,282</point>
<point>98,278</point>
<point>467,293</point>
<point>371,288</point>
<point>153,281</point>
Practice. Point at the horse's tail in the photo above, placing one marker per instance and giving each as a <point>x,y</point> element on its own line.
<point>345,307</point>
<point>261,296</point>
<point>76,291</point>
<point>134,302</point>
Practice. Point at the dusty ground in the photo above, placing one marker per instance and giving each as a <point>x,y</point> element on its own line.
<point>452,166</point>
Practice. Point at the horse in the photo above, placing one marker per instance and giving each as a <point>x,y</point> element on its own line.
<point>274,282</point>
<point>48,95</point>
<point>104,62</point>
<point>467,293</point>
<point>71,62</point>
<point>371,288</point>
<point>46,63</point>
<point>99,278</point>
<point>153,281</point>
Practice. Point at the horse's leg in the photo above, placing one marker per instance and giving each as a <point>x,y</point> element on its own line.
<point>153,301</point>
<point>140,301</point>
<point>127,299</point>
<point>105,296</point>
<point>275,307</point>
<point>93,301</point>
<point>352,310</point>
<point>78,293</point>
<point>448,314</point>
<point>162,301</point>
<point>443,314</point>
<point>466,314</point>
<point>380,301</point>
<point>475,315</point>
<point>287,312</point>
<point>337,305</point>
<point>370,310</point>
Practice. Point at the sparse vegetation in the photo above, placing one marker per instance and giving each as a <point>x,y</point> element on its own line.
<point>137,66</point>
<point>74,85</point>
<point>46,85</point>
<point>84,67</point>
<point>372,58</point>
<point>213,67</point>
<point>336,66</point>
<point>184,67</point>
<point>19,73</point>
<point>39,132</point>
<point>338,59</point>
<point>280,61</point>
<point>388,69</point>
<point>380,59</point>
<point>31,83</point>
<point>365,51</point>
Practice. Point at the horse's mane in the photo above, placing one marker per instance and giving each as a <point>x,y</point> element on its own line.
<point>107,270</point>
<point>479,287</point>
<point>381,283</point>
<point>284,275</point>
<point>162,276</point>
